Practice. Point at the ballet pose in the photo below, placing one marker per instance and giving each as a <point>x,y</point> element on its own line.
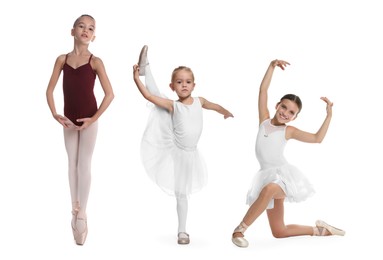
<point>278,181</point>
<point>169,144</point>
<point>81,112</point>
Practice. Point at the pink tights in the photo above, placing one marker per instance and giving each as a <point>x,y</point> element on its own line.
<point>79,146</point>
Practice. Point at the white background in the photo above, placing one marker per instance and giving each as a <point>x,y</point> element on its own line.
<point>335,50</point>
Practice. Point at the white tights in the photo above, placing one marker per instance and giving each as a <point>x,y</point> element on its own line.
<point>79,146</point>
<point>150,82</point>
<point>182,212</point>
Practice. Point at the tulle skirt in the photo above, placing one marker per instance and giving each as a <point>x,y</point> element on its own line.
<point>295,185</point>
<point>178,172</point>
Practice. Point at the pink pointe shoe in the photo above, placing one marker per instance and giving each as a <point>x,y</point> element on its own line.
<point>320,224</point>
<point>81,229</point>
<point>143,60</point>
<point>73,222</point>
<point>76,208</point>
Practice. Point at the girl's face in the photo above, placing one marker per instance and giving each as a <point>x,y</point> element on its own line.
<point>183,84</point>
<point>84,30</point>
<point>287,111</point>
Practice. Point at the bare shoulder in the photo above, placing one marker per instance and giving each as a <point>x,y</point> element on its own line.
<point>60,60</point>
<point>97,63</point>
<point>96,60</point>
<point>291,132</point>
<point>202,100</point>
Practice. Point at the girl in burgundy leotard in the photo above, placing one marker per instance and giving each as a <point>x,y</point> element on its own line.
<point>78,84</point>
<point>80,69</point>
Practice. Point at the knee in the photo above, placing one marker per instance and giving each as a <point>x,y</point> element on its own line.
<point>269,190</point>
<point>83,168</point>
<point>280,233</point>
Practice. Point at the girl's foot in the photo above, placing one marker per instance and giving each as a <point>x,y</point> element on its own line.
<point>143,60</point>
<point>183,238</point>
<point>324,229</point>
<point>81,230</point>
<point>75,210</point>
<point>238,236</point>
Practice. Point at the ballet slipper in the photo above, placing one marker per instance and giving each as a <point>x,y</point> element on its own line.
<point>75,210</point>
<point>183,238</point>
<point>143,60</point>
<point>330,229</point>
<point>240,241</point>
<point>81,236</point>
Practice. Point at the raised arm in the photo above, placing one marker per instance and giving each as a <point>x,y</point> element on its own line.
<point>295,133</point>
<point>159,101</point>
<point>263,110</point>
<point>218,108</point>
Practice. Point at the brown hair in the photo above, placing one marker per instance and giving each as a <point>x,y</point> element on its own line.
<point>176,70</point>
<point>295,99</point>
<point>81,16</point>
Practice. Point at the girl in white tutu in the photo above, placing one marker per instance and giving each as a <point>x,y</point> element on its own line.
<point>169,144</point>
<point>277,180</point>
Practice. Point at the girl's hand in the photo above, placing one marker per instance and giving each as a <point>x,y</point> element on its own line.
<point>329,105</point>
<point>136,70</point>
<point>85,123</point>
<point>65,122</point>
<point>227,115</point>
<point>280,63</point>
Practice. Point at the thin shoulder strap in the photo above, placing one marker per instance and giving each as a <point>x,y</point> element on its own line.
<point>66,57</point>
<point>90,58</point>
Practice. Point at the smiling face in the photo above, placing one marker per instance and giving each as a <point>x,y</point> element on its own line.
<point>182,82</point>
<point>287,110</point>
<point>84,29</point>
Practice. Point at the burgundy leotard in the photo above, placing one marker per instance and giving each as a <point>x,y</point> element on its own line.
<point>79,98</point>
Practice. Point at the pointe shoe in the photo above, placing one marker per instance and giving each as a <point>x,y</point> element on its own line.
<point>332,230</point>
<point>143,60</point>
<point>76,208</point>
<point>81,236</point>
<point>240,241</point>
<point>73,222</point>
<point>183,238</point>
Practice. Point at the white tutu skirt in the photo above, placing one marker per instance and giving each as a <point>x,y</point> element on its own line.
<point>295,185</point>
<point>178,172</point>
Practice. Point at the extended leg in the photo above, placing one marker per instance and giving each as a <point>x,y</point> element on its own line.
<point>143,63</point>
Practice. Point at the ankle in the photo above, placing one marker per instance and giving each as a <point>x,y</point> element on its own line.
<point>240,230</point>
<point>320,231</point>
<point>238,234</point>
<point>81,214</point>
<point>75,206</point>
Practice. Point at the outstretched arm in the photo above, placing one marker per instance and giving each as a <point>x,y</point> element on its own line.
<point>295,133</point>
<point>212,106</point>
<point>159,101</point>
<point>263,110</point>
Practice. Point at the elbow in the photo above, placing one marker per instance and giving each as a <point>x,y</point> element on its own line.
<point>110,96</point>
<point>48,92</point>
